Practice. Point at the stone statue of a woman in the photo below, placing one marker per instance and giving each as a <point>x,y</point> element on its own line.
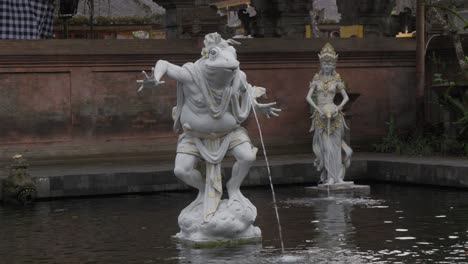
<point>328,123</point>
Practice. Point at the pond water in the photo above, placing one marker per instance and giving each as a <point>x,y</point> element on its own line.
<point>392,224</point>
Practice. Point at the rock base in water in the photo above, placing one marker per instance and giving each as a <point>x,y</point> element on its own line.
<point>233,221</point>
<point>218,243</point>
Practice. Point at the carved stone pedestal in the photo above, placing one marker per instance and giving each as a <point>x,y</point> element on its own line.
<point>231,224</point>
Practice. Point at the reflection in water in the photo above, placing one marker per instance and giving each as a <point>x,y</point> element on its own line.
<point>333,225</point>
<point>138,229</point>
<point>229,255</point>
<point>333,216</point>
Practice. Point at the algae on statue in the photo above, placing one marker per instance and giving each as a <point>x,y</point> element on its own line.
<point>18,187</point>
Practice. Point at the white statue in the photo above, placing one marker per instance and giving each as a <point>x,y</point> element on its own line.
<point>213,99</point>
<point>328,123</point>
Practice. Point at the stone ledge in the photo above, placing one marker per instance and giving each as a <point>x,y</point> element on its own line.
<point>144,177</point>
<point>149,176</point>
<point>439,174</point>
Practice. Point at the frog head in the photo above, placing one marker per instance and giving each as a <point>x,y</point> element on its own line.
<point>219,59</point>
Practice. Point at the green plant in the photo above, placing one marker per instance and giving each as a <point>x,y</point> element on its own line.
<point>427,140</point>
<point>419,146</point>
<point>457,104</point>
<point>391,143</point>
<point>453,99</point>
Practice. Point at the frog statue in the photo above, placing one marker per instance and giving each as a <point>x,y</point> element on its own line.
<point>18,187</point>
<point>213,99</point>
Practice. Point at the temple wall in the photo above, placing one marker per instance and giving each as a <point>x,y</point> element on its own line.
<point>78,97</point>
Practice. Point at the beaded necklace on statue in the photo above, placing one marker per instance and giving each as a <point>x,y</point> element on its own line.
<point>327,82</point>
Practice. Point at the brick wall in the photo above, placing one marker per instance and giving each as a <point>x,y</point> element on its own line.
<point>78,97</point>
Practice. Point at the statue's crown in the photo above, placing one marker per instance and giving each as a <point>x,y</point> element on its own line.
<point>215,40</point>
<point>328,53</point>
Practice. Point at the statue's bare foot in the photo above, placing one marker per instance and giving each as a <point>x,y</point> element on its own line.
<point>236,195</point>
<point>329,182</point>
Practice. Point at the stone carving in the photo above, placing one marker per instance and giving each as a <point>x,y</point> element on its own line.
<point>328,123</point>
<point>213,99</point>
<point>18,187</point>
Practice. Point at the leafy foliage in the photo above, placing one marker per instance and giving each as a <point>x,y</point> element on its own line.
<point>428,140</point>
<point>391,143</point>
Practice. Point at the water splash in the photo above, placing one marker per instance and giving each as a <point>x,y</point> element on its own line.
<point>308,201</point>
<point>290,259</point>
<point>247,86</point>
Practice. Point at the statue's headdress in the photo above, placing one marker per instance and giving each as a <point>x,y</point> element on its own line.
<point>328,53</point>
<point>215,40</point>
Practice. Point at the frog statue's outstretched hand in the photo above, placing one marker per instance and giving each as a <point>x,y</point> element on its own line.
<point>149,81</point>
<point>268,109</point>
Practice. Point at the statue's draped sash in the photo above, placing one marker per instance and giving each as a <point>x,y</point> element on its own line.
<point>328,145</point>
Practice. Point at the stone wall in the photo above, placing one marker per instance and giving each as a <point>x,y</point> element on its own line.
<point>68,98</point>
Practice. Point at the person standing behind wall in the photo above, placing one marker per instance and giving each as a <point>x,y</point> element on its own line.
<point>26,19</point>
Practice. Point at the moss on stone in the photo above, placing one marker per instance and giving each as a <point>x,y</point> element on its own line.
<point>220,243</point>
